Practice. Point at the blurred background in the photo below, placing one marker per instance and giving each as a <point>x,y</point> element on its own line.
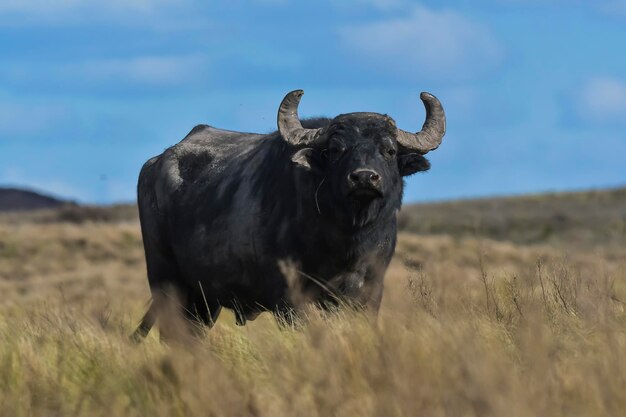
<point>535,91</point>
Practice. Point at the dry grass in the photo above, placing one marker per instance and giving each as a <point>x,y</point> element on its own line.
<point>469,327</point>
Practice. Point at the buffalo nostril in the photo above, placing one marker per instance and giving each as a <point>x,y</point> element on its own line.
<point>364,176</point>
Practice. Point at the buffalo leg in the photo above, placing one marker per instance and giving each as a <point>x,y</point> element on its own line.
<point>201,311</point>
<point>373,290</point>
<point>161,300</point>
<point>165,285</point>
<point>147,322</point>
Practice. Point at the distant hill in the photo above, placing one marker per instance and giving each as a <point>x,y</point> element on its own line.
<point>14,199</point>
<point>590,217</point>
<point>570,218</point>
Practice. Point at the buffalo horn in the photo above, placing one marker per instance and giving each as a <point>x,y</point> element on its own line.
<point>429,138</point>
<point>289,124</point>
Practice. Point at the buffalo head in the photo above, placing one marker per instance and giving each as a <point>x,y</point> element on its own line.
<point>360,157</point>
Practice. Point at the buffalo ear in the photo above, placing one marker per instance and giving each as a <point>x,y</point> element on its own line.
<point>411,163</point>
<point>307,159</point>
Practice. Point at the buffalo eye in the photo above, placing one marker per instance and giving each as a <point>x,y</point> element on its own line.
<point>387,148</point>
<point>335,149</point>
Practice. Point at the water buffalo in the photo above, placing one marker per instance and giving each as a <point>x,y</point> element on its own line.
<point>223,212</point>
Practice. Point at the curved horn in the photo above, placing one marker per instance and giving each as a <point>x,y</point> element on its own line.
<point>289,124</point>
<point>429,138</point>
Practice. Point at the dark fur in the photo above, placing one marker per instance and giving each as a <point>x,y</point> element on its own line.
<point>220,210</point>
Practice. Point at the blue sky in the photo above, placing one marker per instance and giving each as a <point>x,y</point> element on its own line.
<point>534,90</point>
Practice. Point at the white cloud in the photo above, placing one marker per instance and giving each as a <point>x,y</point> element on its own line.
<point>140,70</point>
<point>613,7</point>
<point>608,7</point>
<point>602,101</point>
<point>426,44</point>
<point>143,70</point>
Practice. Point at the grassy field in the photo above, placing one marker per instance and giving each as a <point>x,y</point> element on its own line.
<point>472,324</point>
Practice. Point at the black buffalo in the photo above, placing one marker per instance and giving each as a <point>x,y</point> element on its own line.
<point>246,221</point>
